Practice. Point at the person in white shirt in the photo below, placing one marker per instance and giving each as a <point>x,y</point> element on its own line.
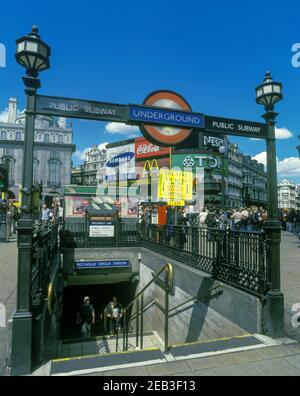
<point>202,217</point>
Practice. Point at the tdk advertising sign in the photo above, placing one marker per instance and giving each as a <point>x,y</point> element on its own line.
<point>166,117</point>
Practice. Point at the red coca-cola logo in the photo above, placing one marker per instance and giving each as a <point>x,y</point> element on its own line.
<point>147,148</point>
<point>143,148</point>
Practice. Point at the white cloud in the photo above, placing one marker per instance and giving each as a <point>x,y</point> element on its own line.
<point>117,128</point>
<point>3,116</point>
<point>102,146</point>
<point>80,154</point>
<point>283,133</point>
<point>287,167</point>
<point>261,158</point>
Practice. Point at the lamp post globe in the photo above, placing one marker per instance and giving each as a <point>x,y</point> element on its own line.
<point>33,53</point>
<point>222,150</point>
<point>269,92</point>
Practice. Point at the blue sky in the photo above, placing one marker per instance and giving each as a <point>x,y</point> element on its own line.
<point>213,53</point>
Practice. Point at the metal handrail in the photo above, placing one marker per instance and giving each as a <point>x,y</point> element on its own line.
<point>168,269</point>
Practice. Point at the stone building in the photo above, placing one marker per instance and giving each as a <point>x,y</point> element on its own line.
<point>53,148</point>
<point>287,195</point>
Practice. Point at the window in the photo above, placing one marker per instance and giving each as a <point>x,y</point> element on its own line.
<point>8,151</point>
<point>46,138</point>
<point>3,135</point>
<point>54,154</point>
<point>60,139</point>
<point>54,173</point>
<point>18,135</point>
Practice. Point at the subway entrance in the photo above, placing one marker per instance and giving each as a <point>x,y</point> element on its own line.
<point>100,295</point>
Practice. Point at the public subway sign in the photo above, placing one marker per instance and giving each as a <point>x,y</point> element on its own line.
<point>95,264</point>
<point>229,126</point>
<point>75,108</point>
<point>165,118</point>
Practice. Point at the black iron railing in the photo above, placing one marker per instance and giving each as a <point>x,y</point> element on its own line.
<point>234,257</point>
<point>45,248</point>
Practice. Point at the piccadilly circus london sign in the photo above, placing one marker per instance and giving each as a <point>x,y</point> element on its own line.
<point>165,118</point>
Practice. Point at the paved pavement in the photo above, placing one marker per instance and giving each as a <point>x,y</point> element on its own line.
<point>275,360</point>
<point>8,281</point>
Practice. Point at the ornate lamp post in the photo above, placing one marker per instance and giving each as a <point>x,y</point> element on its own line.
<point>33,54</point>
<point>268,94</point>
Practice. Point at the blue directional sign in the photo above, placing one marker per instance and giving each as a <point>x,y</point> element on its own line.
<point>94,264</point>
<point>149,115</point>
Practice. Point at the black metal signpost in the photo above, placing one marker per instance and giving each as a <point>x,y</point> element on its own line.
<point>33,54</point>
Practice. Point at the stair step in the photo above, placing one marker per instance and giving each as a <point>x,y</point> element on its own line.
<point>75,364</point>
<point>222,344</point>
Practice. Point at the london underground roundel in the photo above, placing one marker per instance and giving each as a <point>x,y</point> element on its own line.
<point>166,135</point>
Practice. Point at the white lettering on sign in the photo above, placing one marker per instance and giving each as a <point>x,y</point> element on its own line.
<point>214,141</point>
<point>239,127</point>
<point>87,109</point>
<point>147,148</point>
<point>223,125</point>
<point>247,128</point>
<point>156,115</point>
<point>212,162</point>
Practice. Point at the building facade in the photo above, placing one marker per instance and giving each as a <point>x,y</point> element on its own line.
<point>231,180</point>
<point>287,195</point>
<point>92,171</point>
<point>53,148</point>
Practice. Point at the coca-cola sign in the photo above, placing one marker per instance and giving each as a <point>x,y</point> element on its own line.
<point>144,149</point>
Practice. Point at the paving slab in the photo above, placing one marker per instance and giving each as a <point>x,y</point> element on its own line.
<point>237,370</point>
<point>275,367</point>
<point>168,368</point>
<point>206,362</point>
<point>294,360</point>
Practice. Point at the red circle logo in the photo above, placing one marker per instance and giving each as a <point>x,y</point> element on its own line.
<point>166,135</point>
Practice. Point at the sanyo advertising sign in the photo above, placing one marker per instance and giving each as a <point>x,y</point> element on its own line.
<point>2,55</point>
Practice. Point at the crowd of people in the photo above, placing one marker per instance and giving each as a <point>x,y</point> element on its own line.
<point>247,219</point>
<point>10,214</point>
<point>55,214</point>
<point>290,220</point>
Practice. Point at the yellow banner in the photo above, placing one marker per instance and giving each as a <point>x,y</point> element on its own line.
<point>175,186</point>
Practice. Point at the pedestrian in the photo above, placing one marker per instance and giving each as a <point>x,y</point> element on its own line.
<point>45,215</point>
<point>290,220</point>
<point>114,314</point>
<point>86,318</point>
<point>202,217</point>
<point>236,220</point>
<point>254,220</point>
<point>244,219</point>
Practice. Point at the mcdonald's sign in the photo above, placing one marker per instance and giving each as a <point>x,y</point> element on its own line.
<point>150,167</point>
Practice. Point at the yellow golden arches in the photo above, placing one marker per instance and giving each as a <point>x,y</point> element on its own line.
<point>149,166</point>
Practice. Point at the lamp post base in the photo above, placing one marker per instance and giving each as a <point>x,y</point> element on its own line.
<point>21,340</point>
<point>274,315</point>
